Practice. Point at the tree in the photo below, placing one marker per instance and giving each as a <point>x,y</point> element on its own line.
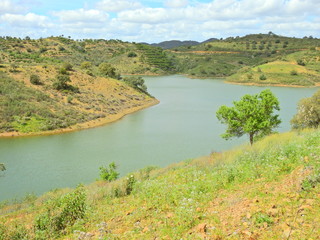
<point>62,82</point>
<point>136,82</point>
<point>308,115</point>
<point>108,70</point>
<point>252,115</point>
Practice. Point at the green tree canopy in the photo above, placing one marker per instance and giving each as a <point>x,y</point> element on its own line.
<point>61,82</point>
<point>136,82</point>
<point>308,115</point>
<point>108,70</point>
<point>252,115</point>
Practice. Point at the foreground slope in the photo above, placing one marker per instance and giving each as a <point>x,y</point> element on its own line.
<point>268,191</point>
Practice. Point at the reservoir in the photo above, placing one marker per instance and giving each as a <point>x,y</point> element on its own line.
<point>182,126</point>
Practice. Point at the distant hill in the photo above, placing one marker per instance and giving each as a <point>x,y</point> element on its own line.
<point>210,40</point>
<point>174,44</point>
<point>178,43</point>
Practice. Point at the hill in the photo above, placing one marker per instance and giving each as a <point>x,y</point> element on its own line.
<point>297,69</point>
<point>268,191</point>
<point>58,84</point>
<point>225,57</point>
<point>174,44</point>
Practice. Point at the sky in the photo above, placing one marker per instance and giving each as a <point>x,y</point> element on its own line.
<point>158,20</point>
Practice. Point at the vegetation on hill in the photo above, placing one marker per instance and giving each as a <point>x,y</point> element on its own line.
<point>265,191</point>
<point>56,83</point>
<point>224,57</point>
<point>300,68</point>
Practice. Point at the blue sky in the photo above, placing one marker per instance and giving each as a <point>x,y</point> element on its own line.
<point>159,20</point>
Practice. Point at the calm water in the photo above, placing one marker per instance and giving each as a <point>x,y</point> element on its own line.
<point>182,126</point>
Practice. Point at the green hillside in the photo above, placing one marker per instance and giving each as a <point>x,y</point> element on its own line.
<point>300,68</point>
<point>61,84</point>
<point>128,58</point>
<point>227,56</point>
<point>268,191</point>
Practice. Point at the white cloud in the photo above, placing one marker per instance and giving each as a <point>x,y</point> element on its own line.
<point>6,6</point>
<point>146,20</point>
<point>176,3</point>
<point>81,16</point>
<point>118,5</point>
<point>147,15</point>
<point>29,20</point>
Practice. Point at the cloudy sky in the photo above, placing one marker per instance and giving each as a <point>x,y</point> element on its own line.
<point>158,20</point>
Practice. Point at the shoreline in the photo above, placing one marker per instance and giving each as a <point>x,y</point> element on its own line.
<point>271,85</point>
<point>86,125</point>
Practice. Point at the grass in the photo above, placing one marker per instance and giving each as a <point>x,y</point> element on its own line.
<point>268,191</point>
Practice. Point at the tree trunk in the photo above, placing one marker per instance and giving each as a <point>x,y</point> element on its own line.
<point>251,138</point>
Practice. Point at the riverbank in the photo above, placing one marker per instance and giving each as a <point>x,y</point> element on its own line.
<point>86,125</point>
<point>270,85</point>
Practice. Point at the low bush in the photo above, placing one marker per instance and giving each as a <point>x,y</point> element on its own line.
<point>109,173</point>
<point>35,79</point>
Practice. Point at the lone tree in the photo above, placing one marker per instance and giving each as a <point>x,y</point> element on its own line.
<point>252,115</point>
<point>308,115</point>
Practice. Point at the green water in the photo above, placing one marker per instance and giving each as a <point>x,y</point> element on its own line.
<point>182,126</point>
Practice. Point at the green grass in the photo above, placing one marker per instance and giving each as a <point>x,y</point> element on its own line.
<point>178,201</point>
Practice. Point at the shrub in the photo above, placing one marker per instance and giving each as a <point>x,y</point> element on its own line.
<point>263,77</point>
<point>67,66</point>
<point>35,79</point>
<point>301,62</point>
<point>63,71</point>
<point>129,184</point>
<point>293,73</point>
<point>62,213</point>
<point>260,218</point>
<point>2,167</point>
<point>132,54</point>
<point>109,173</point>
<point>86,65</point>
